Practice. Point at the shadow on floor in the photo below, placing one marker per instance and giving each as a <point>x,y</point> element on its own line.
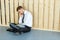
<point>33,35</point>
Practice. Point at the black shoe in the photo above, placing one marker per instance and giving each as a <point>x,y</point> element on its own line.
<point>12,30</point>
<point>9,29</point>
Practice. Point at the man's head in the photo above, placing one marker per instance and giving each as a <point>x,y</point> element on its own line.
<point>20,9</point>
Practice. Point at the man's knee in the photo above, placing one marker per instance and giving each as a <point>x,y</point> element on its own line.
<point>11,24</point>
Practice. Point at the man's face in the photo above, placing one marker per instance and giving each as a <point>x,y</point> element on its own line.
<point>20,11</point>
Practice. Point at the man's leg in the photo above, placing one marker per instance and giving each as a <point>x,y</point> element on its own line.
<point>26,29</point>
<point>19,29</point>
<point>13,27</point>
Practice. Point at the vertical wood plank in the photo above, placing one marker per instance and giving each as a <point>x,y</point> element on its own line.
<point>31,7</point>
<point>56,19</point>
<point>26,4</point>
<point>3,12</point>
<point>46,14</point>
<point>0,17</point>
<point>16,14</point>
<point>7,11</point>
<point>0,12</point>
<point>41,13</point>
<point>11,11</point>
<point>59,18</point>
<point>51,13</point>
<point>20,2</point>
<point>36,14</point>
<point>59,15</point>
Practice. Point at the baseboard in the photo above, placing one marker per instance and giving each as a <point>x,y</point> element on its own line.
<point>46,30</point>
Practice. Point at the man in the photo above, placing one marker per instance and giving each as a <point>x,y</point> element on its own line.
<point>25,21</point>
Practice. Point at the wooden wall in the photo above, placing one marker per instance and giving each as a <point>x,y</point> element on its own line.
<point>46,13</point>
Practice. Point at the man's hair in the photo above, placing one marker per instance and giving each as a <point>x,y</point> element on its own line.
<point>19,7</point>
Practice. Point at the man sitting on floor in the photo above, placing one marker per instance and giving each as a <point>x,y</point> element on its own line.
<point>25,21</point>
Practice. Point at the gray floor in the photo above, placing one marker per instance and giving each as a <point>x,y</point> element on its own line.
<point>33,35</point>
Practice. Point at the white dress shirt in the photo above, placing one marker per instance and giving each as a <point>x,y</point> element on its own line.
<point>27,19</point>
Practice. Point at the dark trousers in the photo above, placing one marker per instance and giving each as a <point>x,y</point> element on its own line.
<point>20,29</point>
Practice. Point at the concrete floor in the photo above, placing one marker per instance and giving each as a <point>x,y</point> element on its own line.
<point>33,35</point>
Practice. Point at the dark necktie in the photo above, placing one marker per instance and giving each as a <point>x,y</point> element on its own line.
<point>23,18</point>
